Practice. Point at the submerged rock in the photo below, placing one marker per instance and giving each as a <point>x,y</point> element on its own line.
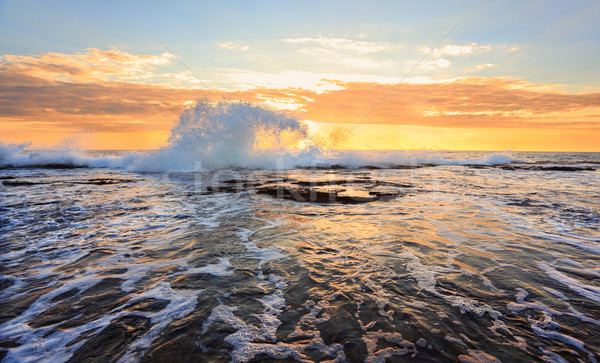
<point>342,191</point>
<point>112,342</point>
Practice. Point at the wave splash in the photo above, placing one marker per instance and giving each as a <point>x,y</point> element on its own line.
<point>230,134</point>
<point>227,135</point>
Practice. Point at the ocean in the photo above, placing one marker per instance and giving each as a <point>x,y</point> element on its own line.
<point>368,256</point>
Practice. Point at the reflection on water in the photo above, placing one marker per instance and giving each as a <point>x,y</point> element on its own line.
<point>469,264</point>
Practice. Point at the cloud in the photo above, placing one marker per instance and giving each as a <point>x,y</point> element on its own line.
<point>434,64</point>
<point>348,53</point>
<point>453,50</point>
<point>484,66</point>
<point>317,82</point>
<point>342,44</point>
<point>331,56</point>
<point>464,102</point>
<point>94,91</point>
<point>93,106</point>
<point>92,66</point>
<point>234,47</point>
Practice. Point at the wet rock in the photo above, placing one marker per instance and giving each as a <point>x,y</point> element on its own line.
<point>181,349</point>
<point>248,264</point>
<point>243,182</point>
<point>298,194</point>
<point>409,167</point>
<point>12,308</point>
<point>88,259</point>
<point>232,186</point>
<point>19,183</point>
<point>8,343</point>
<point>103,181</point>
<point>227,188</point>
<point>316,196</point>
<point>215,339</point>
<point>341,327</point>
<point>569,168</point>
<point>526,202</point>
<point>84,307</point>
<point>58,166</point>
<point>316,183</point>
<point>241,279</point>
<point>311,191</point>
<point>393,184</point>
<point>384,196</point>
<point>6,283</point>
<point>149,304</point>
<point>107,285</point>
<point>114,271</point>
<point>547,168</point>
<point>303,247</point>
<point>112,342</point>
<point>65,295</point>
<point>324,167</point>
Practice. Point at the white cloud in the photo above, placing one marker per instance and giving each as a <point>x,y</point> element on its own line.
<point>434,64</point>
<point>233,46</point>
<point>455,50</point>
<point>331,56</point>
<point>484,66</point>
<point>344,52</point>
<point>342,44</point>
<point>314,81</point>
<point>318,82</point>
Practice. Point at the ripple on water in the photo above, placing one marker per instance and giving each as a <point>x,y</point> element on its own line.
<point>142,268</point>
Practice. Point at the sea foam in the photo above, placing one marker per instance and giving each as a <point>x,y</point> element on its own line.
<point>229,134</point>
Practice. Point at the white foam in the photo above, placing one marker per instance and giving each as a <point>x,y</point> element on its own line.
<point>591,292</point>
<point>556,293</point>
<point>226,135</point>
<point>265,254</point>
<point>249,340</point>
<point>425,277</point>
<point>551,357</point>
<point>545,326</point>
<point>371,339</point>
<point>15,155</point>
<point>36,344</point>
<point>181,304</point>
<point>223,268</point>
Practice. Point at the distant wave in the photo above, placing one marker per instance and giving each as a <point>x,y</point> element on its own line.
<point>15,156</point>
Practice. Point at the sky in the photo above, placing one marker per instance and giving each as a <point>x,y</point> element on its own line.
<point>452,75</point>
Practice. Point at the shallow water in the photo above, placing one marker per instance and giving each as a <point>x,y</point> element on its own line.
<point>466,262</point>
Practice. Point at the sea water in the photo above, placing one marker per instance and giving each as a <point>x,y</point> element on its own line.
<point>154,256</point>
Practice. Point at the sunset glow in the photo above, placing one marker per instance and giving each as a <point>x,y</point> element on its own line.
<point>311,181</point>
<point>472,92</point>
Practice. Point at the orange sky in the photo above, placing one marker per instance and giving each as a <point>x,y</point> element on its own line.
<point>117,100</point>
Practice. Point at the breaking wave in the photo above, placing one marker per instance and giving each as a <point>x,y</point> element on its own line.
<point>226,135</point>
<point>229,134</point>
